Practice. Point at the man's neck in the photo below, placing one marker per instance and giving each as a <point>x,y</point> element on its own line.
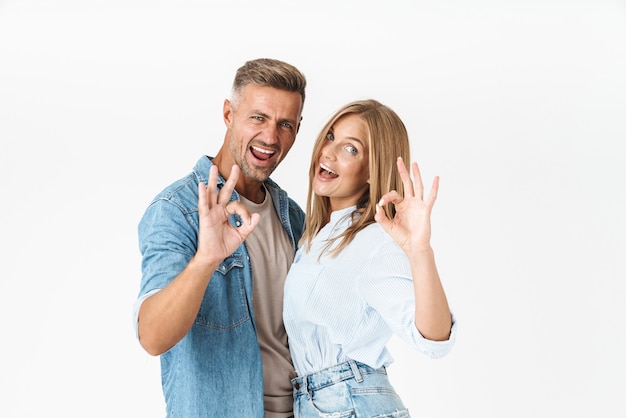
<point>253,192</point>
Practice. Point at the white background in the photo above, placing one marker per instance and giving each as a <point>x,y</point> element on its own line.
<point>519,106</point>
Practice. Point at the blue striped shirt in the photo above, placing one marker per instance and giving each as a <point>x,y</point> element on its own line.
<point>348,307</point>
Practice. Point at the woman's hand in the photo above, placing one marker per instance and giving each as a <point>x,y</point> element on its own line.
<point>410,227</point>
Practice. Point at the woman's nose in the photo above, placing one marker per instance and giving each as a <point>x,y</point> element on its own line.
<point>328,153</point>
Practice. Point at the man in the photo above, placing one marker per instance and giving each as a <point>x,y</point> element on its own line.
<point>210,303</point>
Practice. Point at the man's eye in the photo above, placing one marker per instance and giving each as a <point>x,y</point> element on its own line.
<point>330,136</point>
<point>286,125</point>
<point>257,117</point>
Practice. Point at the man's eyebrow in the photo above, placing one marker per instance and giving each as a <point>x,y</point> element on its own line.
<point>259,113</point>
<point>290,121</point>
<point>266,116</point>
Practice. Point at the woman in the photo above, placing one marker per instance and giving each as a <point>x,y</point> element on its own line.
<point>365,268</point>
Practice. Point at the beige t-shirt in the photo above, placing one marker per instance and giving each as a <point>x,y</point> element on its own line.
<point>271,255</point>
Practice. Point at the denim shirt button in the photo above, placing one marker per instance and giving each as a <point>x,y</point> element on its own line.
<point>298,386</point>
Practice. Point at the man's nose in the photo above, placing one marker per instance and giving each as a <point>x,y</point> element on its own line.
<point>271,133</point>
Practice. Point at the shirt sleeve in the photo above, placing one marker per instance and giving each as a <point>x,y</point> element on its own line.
<point>167,241</point>
<point>137,306</point>
<point>387,287</point>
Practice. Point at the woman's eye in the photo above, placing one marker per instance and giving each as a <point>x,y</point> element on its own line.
<point>330,136</point>
<point>352,150</point>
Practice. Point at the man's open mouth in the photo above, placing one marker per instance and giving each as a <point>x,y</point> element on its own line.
<point>261,153</point>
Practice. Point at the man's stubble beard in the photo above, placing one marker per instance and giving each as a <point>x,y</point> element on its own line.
<point>259,174</point>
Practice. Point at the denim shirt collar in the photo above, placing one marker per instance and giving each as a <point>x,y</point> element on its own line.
<point>279,196</point>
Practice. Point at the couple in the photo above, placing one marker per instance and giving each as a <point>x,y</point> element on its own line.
<point>221,289</point>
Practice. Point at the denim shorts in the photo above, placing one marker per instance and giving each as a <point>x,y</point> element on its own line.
<point>349,389</point>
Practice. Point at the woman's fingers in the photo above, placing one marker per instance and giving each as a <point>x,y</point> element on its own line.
<point>432,196</point>
<point>390,197</point>
<point>413,190</point>
<point>406,178</point>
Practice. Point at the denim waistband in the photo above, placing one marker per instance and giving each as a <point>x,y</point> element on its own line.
<point>334,374</point>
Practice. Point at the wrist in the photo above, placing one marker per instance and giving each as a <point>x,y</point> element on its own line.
<point>203,265</point>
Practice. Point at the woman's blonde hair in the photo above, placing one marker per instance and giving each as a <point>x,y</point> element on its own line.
<point>386,140</point>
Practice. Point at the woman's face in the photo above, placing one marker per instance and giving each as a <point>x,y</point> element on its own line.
<point>343,167</point>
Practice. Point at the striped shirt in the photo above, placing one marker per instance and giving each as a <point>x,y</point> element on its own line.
<point>349,306</point>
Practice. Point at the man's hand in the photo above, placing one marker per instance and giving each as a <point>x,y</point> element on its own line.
<point>217,237</point>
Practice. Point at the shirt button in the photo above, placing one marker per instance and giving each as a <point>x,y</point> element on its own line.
<point>298,386</point>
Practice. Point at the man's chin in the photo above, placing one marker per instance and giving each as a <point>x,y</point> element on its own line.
<point>258,173</point>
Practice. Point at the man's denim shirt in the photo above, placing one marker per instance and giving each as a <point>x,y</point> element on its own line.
<point>215,370</point>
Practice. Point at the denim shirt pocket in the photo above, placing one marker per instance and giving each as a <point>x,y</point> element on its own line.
<point>225,305</point>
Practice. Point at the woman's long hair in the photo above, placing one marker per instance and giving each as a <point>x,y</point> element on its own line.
<point>387,139</point>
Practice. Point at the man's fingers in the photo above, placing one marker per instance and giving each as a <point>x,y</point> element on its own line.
<point>202,198</point>
<point>237,208</point>
<point>230,184</point>
<point>209,199</point>
<point>211,187</point>
<point>247,227</point>
<point>248,220</point>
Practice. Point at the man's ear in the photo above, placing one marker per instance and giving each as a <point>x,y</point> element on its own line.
<point>227,113</point>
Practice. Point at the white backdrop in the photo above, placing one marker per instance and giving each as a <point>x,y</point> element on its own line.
<point>519,106</point>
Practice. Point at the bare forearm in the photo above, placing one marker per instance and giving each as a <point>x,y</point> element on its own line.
<point>432,313</point>
<point>166,317</point>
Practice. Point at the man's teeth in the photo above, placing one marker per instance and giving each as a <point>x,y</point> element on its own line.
<point>264,151</point>
<point>327,169</point>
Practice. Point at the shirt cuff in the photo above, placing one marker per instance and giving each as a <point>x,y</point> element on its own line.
<point>137,306</point>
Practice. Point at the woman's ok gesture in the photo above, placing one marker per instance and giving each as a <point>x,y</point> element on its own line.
<point>410,227</point>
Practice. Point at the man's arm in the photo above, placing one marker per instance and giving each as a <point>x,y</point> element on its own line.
<point>167,316</point>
